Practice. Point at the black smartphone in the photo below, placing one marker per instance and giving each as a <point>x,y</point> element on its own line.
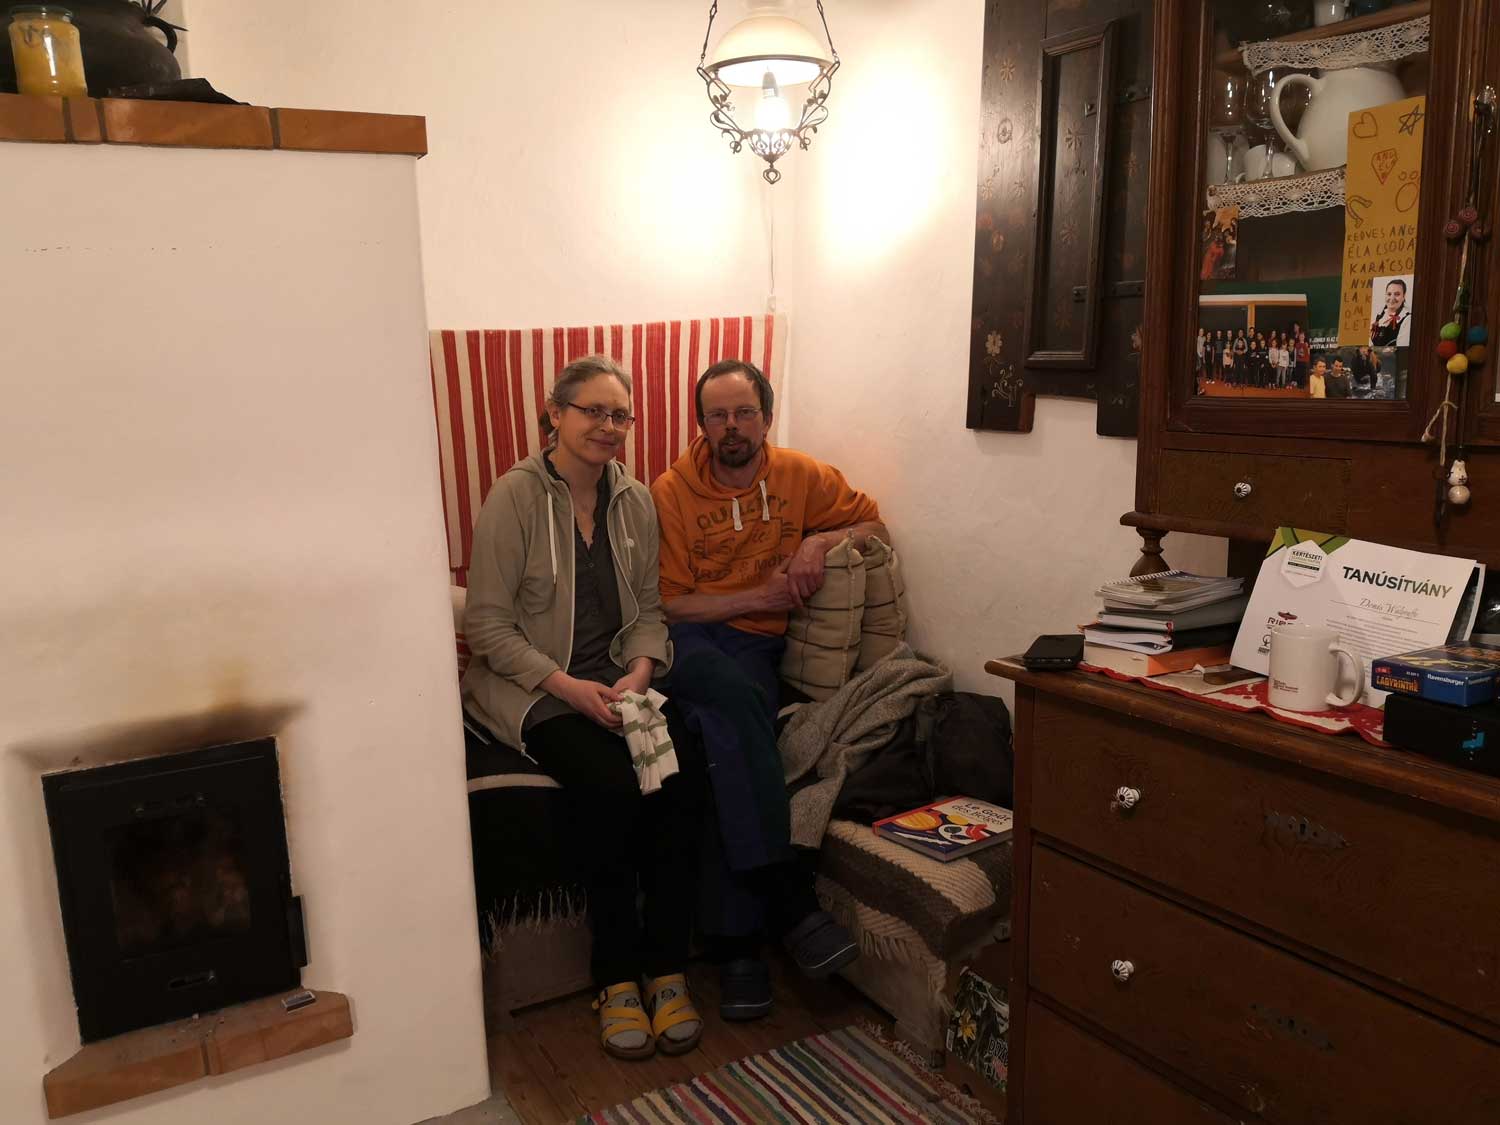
<point>1053,652</point>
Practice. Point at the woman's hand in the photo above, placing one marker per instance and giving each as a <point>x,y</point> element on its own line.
<point>638,679</point>
<point>586,697</point>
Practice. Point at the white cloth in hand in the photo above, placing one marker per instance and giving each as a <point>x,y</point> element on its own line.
<point>645,731</point>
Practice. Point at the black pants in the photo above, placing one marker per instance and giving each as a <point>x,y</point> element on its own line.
<point>631,843</point>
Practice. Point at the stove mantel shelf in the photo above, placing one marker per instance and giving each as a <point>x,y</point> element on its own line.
<point>174,1054</point>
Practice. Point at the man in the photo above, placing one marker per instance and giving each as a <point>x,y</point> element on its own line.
<point>1338,380</point>
<point>745,528</point>
<point>1364,370</point>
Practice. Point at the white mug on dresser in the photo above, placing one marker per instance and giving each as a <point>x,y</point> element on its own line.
<point>1305,670</point>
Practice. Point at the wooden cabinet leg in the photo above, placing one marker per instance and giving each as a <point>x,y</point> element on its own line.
<point>1150,561</point>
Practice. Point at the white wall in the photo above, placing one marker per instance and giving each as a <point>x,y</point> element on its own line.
<point>573,177</point>
<point>1004,536</point>
<point>220,518</point>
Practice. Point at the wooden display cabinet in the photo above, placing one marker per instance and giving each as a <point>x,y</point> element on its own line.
<point>1239,465</point>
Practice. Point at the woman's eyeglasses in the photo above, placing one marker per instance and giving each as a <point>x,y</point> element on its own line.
<point>742,416</point>
<point>598,415</point>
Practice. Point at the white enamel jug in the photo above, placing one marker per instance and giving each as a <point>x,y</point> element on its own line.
<point>1324,140</point>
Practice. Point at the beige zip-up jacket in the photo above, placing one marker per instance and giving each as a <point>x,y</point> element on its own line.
<point>519,617</point>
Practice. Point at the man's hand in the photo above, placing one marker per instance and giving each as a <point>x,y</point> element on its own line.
<point>777,594</point>
<point>638,679</point>
<point>805,569</point>
<point>589,699</point>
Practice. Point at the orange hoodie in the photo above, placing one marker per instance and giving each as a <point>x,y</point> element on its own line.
<point>715,540</point>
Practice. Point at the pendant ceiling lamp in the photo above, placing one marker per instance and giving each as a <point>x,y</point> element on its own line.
<point>768,51</point>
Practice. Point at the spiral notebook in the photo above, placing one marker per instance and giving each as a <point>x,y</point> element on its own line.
<point>1169,591</point>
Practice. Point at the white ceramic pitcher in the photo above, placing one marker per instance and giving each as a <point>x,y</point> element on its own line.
<point>1324,140</point>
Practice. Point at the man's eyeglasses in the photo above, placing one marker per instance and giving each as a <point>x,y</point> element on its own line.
<point>597,415</point>
<point>744,416</point>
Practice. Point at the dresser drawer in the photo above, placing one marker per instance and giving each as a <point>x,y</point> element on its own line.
<point>1073,1079</point>
<point>1358,874</point>
<point>1296,491</point>
<point>1287,1041</point>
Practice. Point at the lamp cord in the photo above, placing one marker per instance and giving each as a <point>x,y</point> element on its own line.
<point>771,245</point>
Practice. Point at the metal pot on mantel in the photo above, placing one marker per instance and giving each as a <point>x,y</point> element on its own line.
<point>119,46</point>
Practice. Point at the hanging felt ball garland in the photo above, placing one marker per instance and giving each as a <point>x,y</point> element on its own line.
<point>1462,346</point>
<point>1476,353</point>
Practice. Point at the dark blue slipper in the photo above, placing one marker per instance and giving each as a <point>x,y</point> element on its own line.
<point>820,946</point>
<point>744,989</point>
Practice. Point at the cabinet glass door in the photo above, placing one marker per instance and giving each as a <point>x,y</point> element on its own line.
<point>1312,121</point>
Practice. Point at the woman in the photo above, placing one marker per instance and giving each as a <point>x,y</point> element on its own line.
<point>1385,331</point>
<point>564,616</point>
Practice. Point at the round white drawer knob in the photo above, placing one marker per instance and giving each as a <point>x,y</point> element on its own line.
<point>1126,798</point>
<point>1243,490</point>
<point>1122,970</point>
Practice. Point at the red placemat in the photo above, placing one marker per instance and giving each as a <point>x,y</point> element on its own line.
<point>1361,719</point>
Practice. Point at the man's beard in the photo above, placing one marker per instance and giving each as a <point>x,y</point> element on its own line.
<point>736,457</point>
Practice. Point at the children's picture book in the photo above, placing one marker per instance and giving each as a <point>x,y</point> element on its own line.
<point>950,828</point>
<point>1461,674</point>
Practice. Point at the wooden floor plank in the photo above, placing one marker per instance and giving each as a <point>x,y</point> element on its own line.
<point>552,1067</point>
<point>541,1075</point>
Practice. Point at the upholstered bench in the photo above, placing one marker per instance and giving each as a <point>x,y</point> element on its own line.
<point>917,920</point>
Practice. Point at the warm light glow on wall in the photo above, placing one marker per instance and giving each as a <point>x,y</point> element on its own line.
<point>897,152</point>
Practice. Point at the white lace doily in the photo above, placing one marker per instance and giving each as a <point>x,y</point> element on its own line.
<point>1360,48</point>
<point>1263,198</point>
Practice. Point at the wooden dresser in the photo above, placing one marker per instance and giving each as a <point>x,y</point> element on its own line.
<point>1221,918</point>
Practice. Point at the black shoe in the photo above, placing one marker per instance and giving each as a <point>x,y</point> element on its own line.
<point>820,946</point>
<point>744,989</point>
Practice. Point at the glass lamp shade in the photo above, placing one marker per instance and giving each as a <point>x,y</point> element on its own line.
<point>768,43</point>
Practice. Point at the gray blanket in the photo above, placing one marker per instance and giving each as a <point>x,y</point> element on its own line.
<point>832,739</point>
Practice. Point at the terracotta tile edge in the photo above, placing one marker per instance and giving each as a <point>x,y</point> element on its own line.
<point>164,124</point>
<point>32,120</point>
<point>83,120</point>
<point>86,121</point>
<point>327,130</point>
<point>201,1053</point>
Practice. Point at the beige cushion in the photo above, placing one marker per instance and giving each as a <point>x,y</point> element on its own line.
<point>822,638</point>
<point>884,624</point>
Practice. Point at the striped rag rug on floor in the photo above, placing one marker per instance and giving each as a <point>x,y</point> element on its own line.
<point>841,1077</point>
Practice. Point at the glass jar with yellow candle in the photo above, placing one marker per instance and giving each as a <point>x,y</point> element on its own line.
<point>48,55</point>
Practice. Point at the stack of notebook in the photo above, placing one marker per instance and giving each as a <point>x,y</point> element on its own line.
<point>1161,623</point>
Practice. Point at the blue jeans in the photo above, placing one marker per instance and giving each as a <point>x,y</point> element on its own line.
<point>726,682</point>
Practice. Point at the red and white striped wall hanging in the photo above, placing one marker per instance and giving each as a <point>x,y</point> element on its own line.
<point>489,387</point>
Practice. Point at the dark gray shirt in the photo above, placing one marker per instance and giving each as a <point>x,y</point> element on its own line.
<point>596,607</point>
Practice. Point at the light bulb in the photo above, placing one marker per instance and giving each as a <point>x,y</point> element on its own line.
<point>772,114</point>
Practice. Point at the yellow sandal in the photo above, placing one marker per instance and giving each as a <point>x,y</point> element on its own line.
<point>673,1012</point>
<point>616,1017</point>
